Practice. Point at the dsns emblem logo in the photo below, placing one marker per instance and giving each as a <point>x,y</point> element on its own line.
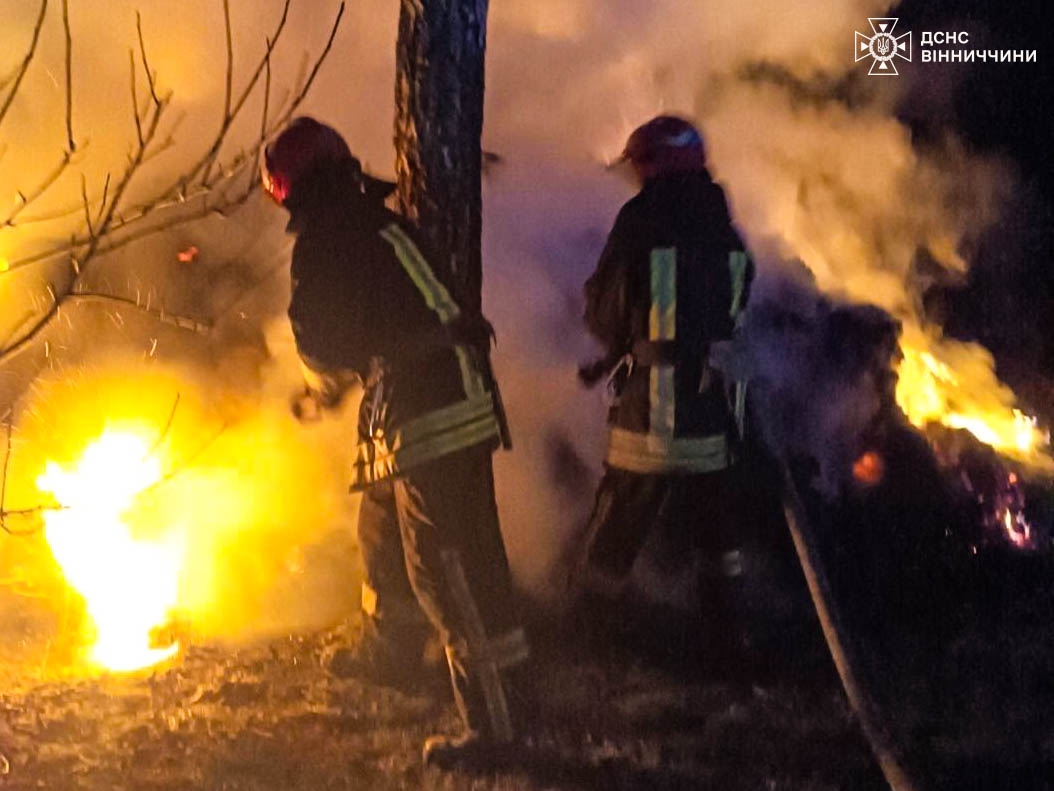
<point>883,47</point>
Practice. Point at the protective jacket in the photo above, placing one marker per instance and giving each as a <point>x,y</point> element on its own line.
<point>366,300</point>
<point>672,278</point>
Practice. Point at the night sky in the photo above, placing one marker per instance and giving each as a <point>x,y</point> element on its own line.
<point>1005,110</point>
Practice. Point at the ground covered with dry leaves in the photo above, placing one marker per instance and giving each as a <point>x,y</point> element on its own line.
<point>269,716</point>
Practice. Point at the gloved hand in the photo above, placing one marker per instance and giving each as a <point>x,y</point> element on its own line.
<point>306,407</point>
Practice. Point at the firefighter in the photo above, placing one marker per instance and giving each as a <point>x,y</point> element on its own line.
<point>367,304</point>
<point>671,280</point>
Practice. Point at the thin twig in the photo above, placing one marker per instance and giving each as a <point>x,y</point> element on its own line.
<point>265,61</point>
<point>172,319</point>
<point>7,458</point>
<point>184,465</point>
<point>102,201</point>
<point>27,198</point>
<point>231,112</point>
<point>82,249</point>
<point>14,349</point>
<point>135,101</point>
<point>87,206</point>
<point>25,61</point>
<point>230,61</point>
<point>314,71</point>
<point>167,427</point>
<point>146,63</point>
<point>70,145</point>
<point>252,181</point>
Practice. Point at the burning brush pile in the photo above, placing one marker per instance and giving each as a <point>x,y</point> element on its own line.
<point>932,497</point>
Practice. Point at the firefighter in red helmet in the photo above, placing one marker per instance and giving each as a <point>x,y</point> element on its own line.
<point>672,279</point>
<point>367,304</point>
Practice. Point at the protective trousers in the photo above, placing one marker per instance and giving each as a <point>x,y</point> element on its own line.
<point>454,562</point>
<point>701,514</point>
<point>392,618</point>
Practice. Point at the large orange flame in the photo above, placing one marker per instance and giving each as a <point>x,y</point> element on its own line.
<point>943,381</point>
<point>129,586</point>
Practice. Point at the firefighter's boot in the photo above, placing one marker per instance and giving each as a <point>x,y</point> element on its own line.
<point>736,638</point>
<point>389,650</point>
<point>491,692</point>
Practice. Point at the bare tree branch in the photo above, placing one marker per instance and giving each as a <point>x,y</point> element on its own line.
<point>114,225</point>
<point>230,61</point>
<point>167,427</point>
<point>172,319</point>
<point>214,152</point>
<point>87,206</point>
<point>26,198</point>
<point>146,63</point>
<point>7,458</point>
<point>314,72</point>
<point>4,513</point>
<point>70,145</point>
<point>24,67</point>
<point>135,101</point>
<point>191,175</point>
<point>105,192</point>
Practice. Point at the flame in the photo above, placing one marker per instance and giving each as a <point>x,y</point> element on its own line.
<point>1018,530</point>
<point>940,382</point>
<point>129,585</point>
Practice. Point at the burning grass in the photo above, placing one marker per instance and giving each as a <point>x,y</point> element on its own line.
<point>150,506</point>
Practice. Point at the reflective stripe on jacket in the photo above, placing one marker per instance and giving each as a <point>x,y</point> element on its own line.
<point>673,278</point>
<point>391,449</point>
<point>365,299</point>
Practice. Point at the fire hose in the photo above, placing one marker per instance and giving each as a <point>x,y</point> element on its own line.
<point>842,649</point>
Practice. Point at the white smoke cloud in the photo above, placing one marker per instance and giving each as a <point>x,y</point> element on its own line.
<point>838,185</point>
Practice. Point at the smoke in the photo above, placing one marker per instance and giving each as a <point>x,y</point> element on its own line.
<point>817,168</point>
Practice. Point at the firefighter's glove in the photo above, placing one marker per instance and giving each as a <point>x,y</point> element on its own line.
<point>306,407</point>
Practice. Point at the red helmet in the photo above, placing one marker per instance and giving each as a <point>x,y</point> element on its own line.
<point>301,147</point>
<point>666,144</point>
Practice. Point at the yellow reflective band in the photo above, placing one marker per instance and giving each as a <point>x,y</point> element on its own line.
<point>441,420</point>
<point>653,453</point>
<point>436,296</point>
<point>465,436</point>
<point>737,267</point>
<point>663,316</point>
<point>472,381</point>
<point>663,400</point>
<point>434,434</point>
<point>662,322</point>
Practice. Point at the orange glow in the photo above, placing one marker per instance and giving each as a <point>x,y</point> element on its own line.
<point>951,383</point>
<point>869,469</point>
<point>129,586</point>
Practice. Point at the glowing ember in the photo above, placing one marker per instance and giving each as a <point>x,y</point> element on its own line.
<point>869,469</point>
<point>129,586</point>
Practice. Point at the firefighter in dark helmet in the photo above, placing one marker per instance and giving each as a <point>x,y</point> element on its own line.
<point>672,280</point>
<point>368,305</point>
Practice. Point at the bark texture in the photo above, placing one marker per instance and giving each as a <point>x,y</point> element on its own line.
<point>438,125</point>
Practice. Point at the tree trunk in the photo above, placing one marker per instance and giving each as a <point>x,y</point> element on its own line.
<point>438,125</point>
